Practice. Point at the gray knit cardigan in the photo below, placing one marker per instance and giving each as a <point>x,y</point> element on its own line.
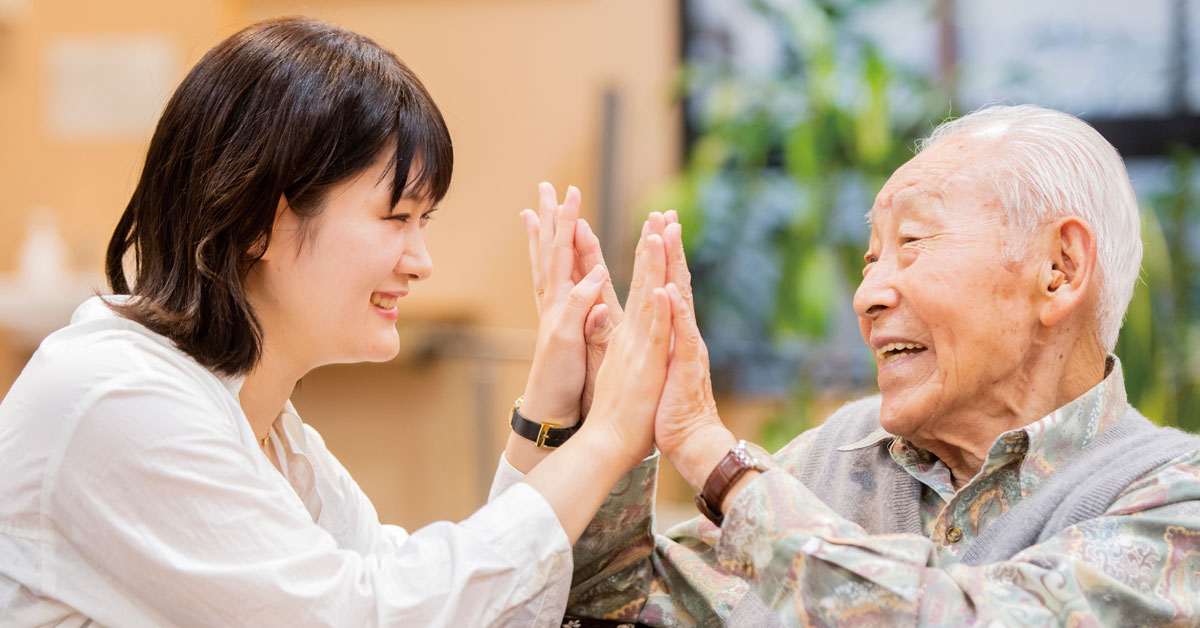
<point>866,486</point>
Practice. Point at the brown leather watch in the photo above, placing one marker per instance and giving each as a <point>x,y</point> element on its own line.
<point>732,467</point>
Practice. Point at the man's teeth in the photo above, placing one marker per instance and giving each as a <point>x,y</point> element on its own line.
<point>893,350</point>
<point>382,301</point>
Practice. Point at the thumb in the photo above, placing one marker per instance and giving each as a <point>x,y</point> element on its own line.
<point>583,296</point>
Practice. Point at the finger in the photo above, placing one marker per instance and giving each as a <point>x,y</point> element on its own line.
<point>671,216</point>
<point>634,296</point>
<point>581,298</point>
<point>598,330</point>
<point>547,204</point>
<point>689,344</point>
<point>677,268</point>
<point>529,219</point>
<point>649,273</point>
<point>591,254</point>
<point>562,258</point>
<point>657,222</point>
<point>659,338</point>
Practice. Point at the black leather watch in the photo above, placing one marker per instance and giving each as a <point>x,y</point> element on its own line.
<point>546,435</point>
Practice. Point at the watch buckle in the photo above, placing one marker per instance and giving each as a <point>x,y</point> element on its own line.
<point>543,433</point>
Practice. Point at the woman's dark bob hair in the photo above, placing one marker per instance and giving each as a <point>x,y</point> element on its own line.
<point>286,108</point>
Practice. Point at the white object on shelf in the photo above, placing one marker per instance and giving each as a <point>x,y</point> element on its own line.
<point>42,264</point>
<point>108,87</point>
<point>40,297</point>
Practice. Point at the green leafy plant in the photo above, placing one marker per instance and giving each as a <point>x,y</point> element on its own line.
<point>1158,343</point>
<point>782,170</point>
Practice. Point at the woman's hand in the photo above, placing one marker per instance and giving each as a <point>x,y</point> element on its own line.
<point>604,317</point>
<point>630,381</point>
<point>556,378</point>
<point>576,478</point>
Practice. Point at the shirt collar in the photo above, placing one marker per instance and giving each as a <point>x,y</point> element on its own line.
<point>874,438</point>
<point>1042,446</point>
<point>1056,438</point>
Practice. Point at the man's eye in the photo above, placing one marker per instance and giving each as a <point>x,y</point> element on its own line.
<point>402,218</point>
<point>908,240</point>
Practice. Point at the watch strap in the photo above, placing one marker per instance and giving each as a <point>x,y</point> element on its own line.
<point>728,471</point>
<point>546,435</point>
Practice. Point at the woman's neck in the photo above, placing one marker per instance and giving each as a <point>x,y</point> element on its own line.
<point>265,391</point>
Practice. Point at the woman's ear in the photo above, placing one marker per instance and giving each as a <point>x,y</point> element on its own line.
<point>261,249</point>
<point>1068,268</point>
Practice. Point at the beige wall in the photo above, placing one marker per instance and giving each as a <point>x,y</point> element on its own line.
<point>520,83</point>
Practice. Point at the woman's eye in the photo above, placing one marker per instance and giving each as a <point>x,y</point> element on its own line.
<point>401,218</point>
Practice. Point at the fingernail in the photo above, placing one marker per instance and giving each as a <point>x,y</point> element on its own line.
<point>602,320</point>
<point>597,274</point>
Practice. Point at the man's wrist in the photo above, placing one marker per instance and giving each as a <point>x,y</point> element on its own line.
<point>737,487</point>
<point>698,454</point>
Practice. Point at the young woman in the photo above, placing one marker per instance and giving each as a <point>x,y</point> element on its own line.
<point>152,469</point>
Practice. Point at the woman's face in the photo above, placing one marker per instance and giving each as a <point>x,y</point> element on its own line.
<point>327,291</point>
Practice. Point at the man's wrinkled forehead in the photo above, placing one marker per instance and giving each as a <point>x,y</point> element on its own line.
<point>910,196</point>
<point>914,196</point>
<point>922,182</point>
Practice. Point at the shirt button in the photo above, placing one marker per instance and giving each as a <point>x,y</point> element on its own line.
<point>954,534</point>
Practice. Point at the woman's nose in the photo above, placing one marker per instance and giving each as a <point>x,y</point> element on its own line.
<point>415,260</point>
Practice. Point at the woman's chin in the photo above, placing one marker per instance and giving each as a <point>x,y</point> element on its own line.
<point>385,348</point>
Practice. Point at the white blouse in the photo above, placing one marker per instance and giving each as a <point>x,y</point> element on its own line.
<point>133,493</point>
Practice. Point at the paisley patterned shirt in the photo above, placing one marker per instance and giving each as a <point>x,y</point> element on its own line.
<point>1137,565</point>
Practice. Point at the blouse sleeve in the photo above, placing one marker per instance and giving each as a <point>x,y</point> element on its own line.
<point>161,502</point>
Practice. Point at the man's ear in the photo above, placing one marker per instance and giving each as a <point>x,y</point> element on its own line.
<point>1068,268</point>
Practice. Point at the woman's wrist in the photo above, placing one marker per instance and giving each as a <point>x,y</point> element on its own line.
<point>601,442</point>
<point>537,409</point>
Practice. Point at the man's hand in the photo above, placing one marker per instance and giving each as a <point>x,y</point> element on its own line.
<point>687,427</point>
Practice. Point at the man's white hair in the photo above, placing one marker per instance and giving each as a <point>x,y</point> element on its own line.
<point>1050,165</point>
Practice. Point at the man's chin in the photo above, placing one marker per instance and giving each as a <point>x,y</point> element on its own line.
<point>897,414</point>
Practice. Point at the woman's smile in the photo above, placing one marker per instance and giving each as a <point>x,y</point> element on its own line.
<point>384,303</point>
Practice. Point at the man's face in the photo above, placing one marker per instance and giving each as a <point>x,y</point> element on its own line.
<point>951,322</point>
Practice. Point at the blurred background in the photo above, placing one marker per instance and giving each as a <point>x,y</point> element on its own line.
<point>769,124</point>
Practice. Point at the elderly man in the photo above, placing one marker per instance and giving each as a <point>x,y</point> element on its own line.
<point>999,478</point>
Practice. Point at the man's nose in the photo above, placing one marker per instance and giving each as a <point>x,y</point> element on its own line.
<point>877,292</point>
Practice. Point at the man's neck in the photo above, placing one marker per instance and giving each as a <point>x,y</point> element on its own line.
<point>962,439</point>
